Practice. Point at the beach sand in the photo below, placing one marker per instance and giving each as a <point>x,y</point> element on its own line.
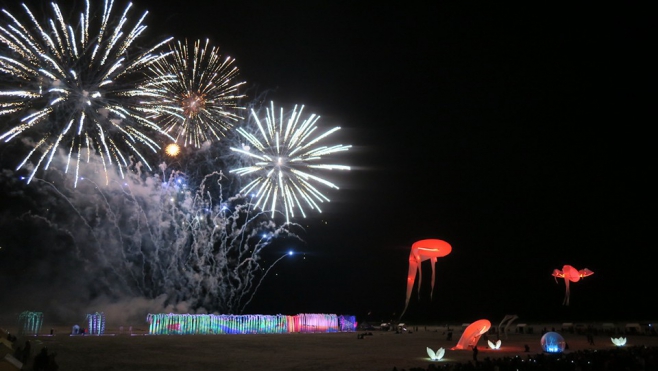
<point>121,351</point>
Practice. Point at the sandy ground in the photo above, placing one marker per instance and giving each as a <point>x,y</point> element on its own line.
<point>380,351</point>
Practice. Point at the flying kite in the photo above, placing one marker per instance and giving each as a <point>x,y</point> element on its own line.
<point>570,273</point>
<point>429,249</point>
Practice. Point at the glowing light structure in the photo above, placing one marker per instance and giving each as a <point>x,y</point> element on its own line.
<point>347,323</point>
<point>495,345</point>
<point>284,155</point>
<point>29,323</point>
<point>197,93</point>
<point>552,342</point>
<point>96,323</point>
<point>209,324</point>
<point>570,274</point>
<point>472,334</point>
<point>76,92</point>
<point>436,356</point>
<point>422,250</point>
<point>620,341</point>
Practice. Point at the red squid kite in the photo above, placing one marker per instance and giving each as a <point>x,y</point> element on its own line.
<point>570,273</point>
<point>430,249</point>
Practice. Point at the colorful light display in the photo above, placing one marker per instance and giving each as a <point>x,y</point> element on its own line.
<point>212,324</point>
<point>96,323</point>
<point>347,323</point>
<point>29,323</point>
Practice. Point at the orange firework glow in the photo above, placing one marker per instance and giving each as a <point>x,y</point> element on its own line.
<point>172,150</point>
<point>192,103</point>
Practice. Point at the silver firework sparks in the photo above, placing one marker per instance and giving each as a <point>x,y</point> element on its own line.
<point>157,236</point>
<point>74,92</point>
<point>198,95</point>
<point>285,154</point>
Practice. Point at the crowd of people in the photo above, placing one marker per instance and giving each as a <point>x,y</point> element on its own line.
<point>636,358</point>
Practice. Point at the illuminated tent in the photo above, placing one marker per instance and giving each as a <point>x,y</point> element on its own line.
<point>472,334</point>
<point>429,249</point>
<point>570,274</point>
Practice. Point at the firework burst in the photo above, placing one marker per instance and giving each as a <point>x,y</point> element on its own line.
<point>198,98</point>
<point>172,150</point>
<point>285,155</point>
<point>73,91</point>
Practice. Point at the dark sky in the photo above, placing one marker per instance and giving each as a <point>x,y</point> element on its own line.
<point>517,133</point>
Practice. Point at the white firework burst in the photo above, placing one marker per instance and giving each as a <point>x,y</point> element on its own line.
<point>197,92</point>
<point>73,91</point>
<point>286,153</point>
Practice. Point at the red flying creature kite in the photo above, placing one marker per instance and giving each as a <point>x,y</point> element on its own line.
<point>430,249</point>
<point>570,273</point>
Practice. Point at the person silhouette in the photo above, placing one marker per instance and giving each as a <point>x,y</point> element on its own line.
<point>27,352</point>
<point>475,352</point>
<point>41,360</point>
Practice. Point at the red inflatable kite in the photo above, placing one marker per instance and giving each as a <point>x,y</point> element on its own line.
<point>430,249</point>
<point>570,273</point>
<point>472,334</point>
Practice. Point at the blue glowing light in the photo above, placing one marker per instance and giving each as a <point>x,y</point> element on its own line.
<point>290,252</point>
<point>552,342</point>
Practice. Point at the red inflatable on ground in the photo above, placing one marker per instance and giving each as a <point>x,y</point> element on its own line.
<point>472,334</point>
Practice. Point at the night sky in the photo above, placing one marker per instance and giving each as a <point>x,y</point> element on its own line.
<point>520,134</point>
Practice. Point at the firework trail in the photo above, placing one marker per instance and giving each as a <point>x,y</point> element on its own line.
<point>198,97</point>
<point>155,236</point>
<point>285,154</point>
<point>75,91</point>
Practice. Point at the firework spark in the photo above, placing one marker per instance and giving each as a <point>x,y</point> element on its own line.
<point>172,150</point>
<point>76,91</point>
<point>284,159</point>
<point>197,93</point>
<point>158,235</point>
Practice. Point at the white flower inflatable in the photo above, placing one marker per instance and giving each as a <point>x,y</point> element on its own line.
<point>436,356</point>
<point>620,342</point>
<point>495,345</point>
